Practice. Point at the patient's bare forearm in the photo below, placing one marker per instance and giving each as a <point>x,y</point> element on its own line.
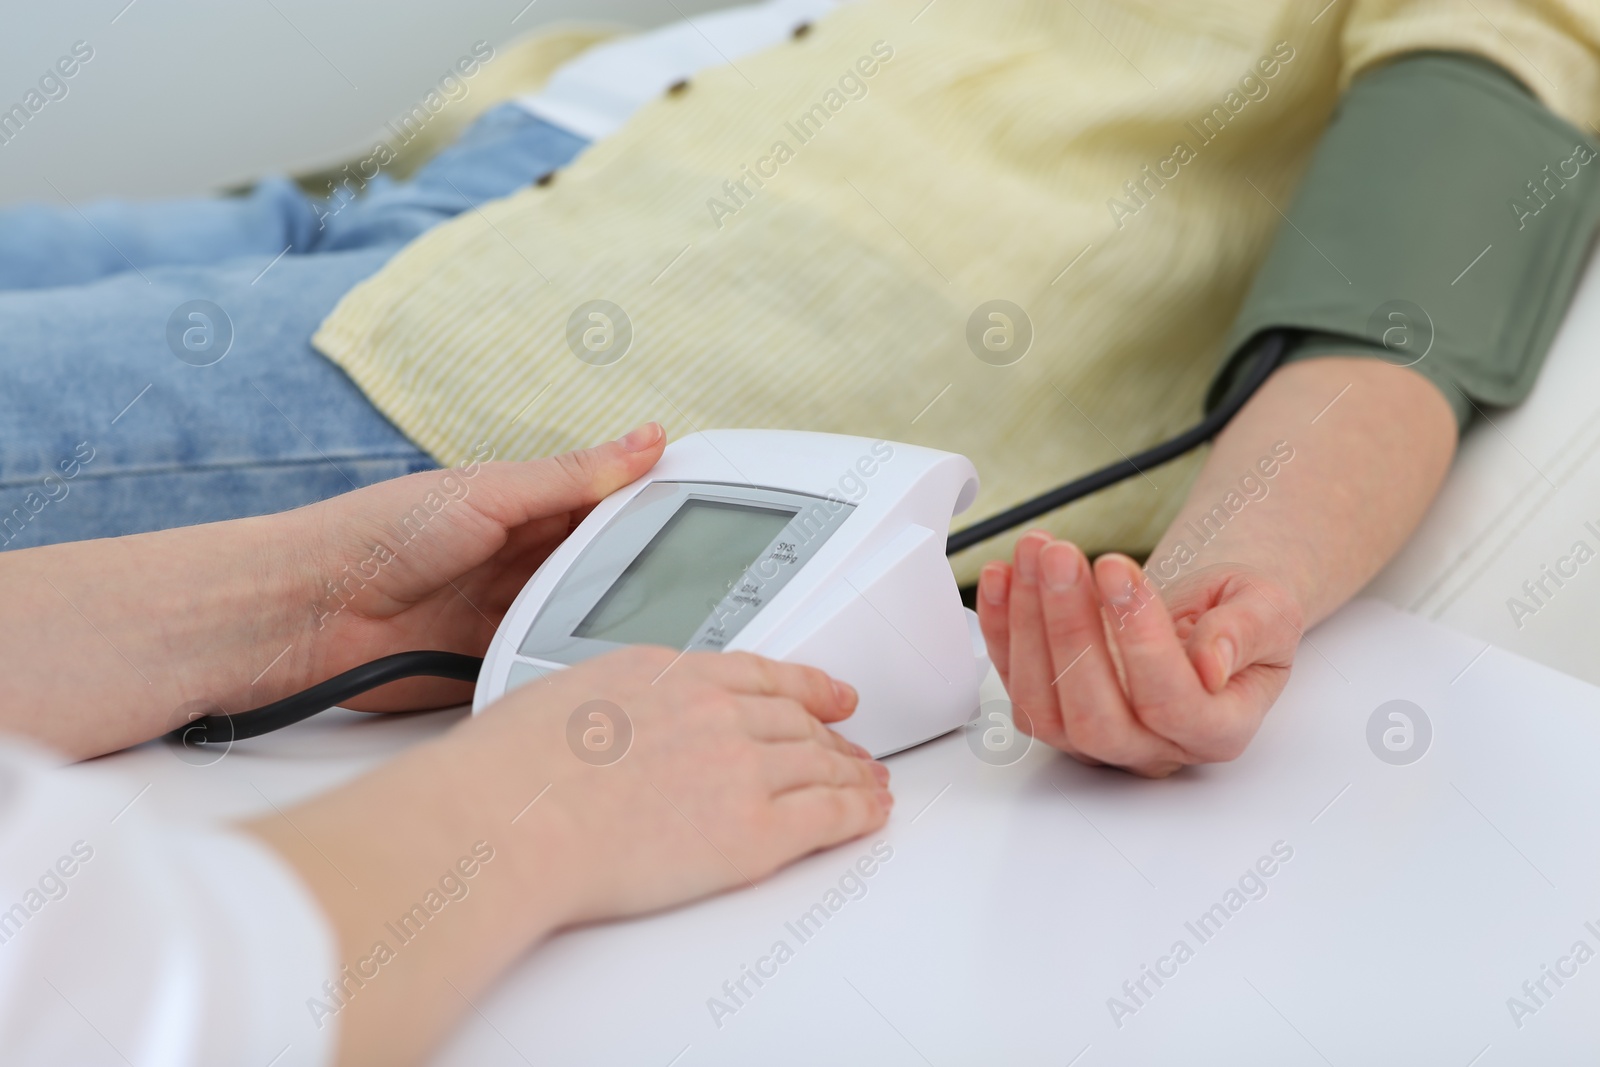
<point>1318,481</point>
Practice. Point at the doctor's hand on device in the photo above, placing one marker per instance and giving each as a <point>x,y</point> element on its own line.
<point>730,773</point>
<point>234,615</point>
<point>730,769</point>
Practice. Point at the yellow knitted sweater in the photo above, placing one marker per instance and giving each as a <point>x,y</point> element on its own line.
<point>800,240</point>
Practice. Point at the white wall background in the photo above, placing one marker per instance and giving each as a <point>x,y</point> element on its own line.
<point>185,96</point>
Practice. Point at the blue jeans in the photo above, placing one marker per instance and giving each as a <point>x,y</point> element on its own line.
<point>155,360</point>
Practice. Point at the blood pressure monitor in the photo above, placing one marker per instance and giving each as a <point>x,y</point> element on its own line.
<point>812,548</point>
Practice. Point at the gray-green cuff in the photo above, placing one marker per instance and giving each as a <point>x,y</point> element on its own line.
<point>1442,225</point>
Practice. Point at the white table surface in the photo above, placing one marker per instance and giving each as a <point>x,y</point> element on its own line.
<point>1019,898</point>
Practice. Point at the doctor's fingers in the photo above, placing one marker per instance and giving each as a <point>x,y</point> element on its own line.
<point>821,816</point>
<point>790,765</point>
<point>513,493</point>
<point>744,672</point>
<point>777,719</point>
<point>1097,719</point>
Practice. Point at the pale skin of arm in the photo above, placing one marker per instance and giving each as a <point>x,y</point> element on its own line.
<point>1151,676</point>
<point>732,771</point>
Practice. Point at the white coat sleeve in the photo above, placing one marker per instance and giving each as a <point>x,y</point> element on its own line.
<point>127,940</point>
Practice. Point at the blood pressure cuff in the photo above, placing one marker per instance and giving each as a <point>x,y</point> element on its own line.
<point>1442,225</point>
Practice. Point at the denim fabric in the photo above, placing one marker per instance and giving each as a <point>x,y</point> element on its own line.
<point>116,413</point>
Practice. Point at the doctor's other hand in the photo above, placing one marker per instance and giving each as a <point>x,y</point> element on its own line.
<point>712,769</point>
<point>718,768</point>
<point>1100,665</point>
<point>433,560</point>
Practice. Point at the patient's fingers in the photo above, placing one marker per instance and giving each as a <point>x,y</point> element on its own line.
<point>1158,671</point>
<point>1096,716</point>
<point>994,616</point>
<point>995,597</point>
<point>1162,682</point>
<point>1032,697</point>
<point>1247,628</point>
<point>1242,650</point>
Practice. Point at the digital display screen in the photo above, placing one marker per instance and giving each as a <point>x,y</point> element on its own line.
<point>671,587</point>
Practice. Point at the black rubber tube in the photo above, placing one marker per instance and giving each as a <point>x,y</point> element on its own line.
<point>1269,354</point>
<point>223,729</point>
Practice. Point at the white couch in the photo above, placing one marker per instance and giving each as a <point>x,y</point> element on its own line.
<point>1522,505</point>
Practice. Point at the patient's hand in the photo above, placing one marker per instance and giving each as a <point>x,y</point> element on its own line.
<point>1359,448</point>
<point>1101,666</point>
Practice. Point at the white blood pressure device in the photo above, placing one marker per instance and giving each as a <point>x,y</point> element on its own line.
<point>806,547</point>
